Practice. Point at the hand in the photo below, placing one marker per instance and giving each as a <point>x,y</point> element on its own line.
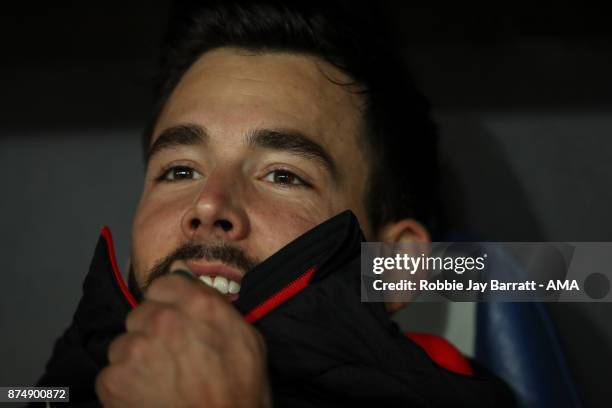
<point>185,345</point>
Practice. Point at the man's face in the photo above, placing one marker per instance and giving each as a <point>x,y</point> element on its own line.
<point>250,151</point>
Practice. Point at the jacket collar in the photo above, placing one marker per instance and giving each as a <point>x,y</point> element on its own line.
<point>309,258</point>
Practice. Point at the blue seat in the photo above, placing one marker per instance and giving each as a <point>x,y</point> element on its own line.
<point>518,342</point>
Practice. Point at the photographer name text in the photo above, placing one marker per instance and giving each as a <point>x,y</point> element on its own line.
<point>475,286</point>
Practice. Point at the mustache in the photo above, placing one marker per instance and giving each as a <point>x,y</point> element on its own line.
<point>227,254</point>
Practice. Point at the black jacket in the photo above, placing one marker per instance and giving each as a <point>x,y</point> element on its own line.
<point>325,347</point>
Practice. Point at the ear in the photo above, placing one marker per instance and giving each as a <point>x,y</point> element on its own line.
<point>406,230</point>
<point>403,231</point>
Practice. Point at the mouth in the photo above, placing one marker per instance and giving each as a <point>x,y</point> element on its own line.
<point>224,279</point>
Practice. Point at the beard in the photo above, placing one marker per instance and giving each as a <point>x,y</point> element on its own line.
<point>227,254</point>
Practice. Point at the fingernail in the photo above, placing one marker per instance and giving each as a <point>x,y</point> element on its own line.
<point>185,273</point>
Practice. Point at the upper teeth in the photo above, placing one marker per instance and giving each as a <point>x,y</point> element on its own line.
<point>222,284</point>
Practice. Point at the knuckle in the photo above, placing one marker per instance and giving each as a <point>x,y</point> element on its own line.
<point>200,304</point>
<point>164,319</point>
<point>136,348</point>
<point>128,347</point>
<point>107,385</point>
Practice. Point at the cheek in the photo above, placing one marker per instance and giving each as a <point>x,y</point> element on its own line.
<point>156,232</point>
<point>277,223</point>
<point>356,204</point>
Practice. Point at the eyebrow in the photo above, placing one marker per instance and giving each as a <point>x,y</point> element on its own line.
<point>295,143</point>
<point>291,141</point>
<point>181,135</point>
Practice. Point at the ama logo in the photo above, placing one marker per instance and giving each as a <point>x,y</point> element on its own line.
<point>562,285</point>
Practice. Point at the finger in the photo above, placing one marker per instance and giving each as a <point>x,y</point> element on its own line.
<point>175,287</point>
<point>129,347</point>
<point>122,385</point>
<point>139,317</point>
<point>172,327</point>
<point>192,297</point>
<point>165,322</point>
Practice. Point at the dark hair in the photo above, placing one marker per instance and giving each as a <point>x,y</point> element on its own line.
<point>401,137</point>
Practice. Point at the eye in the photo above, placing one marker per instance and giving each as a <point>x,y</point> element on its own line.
<point>286,178</point>
<point>177,173</point>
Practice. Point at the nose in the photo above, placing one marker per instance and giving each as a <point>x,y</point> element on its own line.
<point>217,212</point>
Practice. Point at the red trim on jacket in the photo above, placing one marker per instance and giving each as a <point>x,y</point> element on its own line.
<point>280,297</point>
<point>255,314</point>
<point>437,348</point>
<point>442,352</point>
<point>116,272</point>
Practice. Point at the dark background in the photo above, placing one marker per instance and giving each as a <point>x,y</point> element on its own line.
<point>522,94</point>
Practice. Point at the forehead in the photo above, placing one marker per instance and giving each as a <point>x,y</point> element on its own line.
<point>230,91</point>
